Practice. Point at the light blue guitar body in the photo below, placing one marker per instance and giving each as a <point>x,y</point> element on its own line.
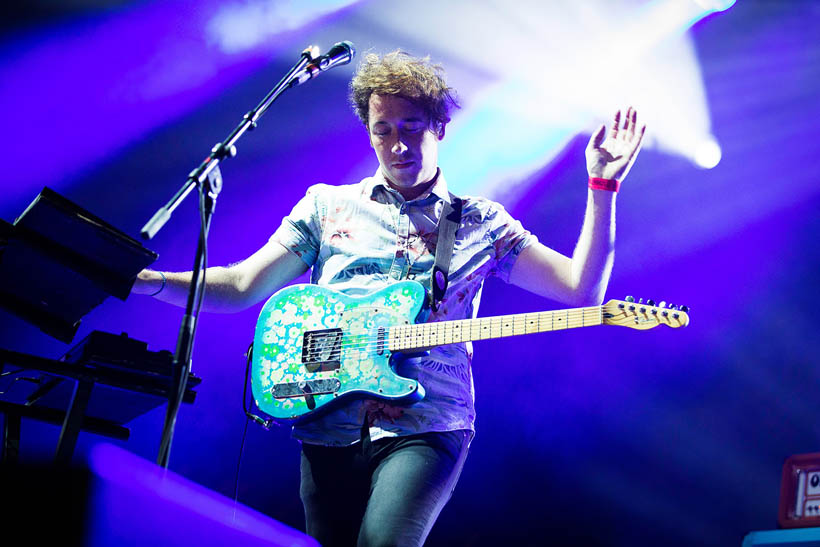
<point>314,346</point>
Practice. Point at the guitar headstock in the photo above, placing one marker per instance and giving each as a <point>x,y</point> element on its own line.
<point>644,315</point>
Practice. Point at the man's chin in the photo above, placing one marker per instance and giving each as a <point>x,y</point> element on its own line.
<point>405,180</point>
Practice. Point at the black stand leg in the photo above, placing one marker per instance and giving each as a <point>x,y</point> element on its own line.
<point>73,421</point>
<point>11,438</point>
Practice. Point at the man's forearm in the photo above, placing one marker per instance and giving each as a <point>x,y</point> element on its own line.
<point>228,289</point>
<point>222,292</point>
<point>595,252</point>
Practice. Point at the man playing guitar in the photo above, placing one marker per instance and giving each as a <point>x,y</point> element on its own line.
<point>375,471</point>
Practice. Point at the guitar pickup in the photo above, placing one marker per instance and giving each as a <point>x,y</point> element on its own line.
<point>305,388</point>
<point>321,350</point>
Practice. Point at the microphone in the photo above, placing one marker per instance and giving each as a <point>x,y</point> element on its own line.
<point>340,54</point>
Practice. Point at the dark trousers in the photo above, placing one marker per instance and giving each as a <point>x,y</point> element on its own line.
<point>388,492</point>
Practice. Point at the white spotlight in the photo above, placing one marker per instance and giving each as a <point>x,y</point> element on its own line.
<point>715,5</point>
<point>707,154</point>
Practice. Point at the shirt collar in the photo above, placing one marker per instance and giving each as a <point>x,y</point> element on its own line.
<point>439,187</point>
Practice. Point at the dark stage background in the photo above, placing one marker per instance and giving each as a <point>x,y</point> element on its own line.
<point>600,436</point>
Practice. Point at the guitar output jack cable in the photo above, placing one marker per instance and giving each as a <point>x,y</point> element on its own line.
<point>246,408</point>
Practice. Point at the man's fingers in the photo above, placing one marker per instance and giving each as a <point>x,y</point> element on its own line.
<point>613,131</point>
<point>597,137</point>
<point>630,124</point>
<point>640,137</point>
<point>637,145</point>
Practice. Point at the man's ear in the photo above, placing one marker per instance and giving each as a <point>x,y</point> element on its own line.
<point>440,131</point>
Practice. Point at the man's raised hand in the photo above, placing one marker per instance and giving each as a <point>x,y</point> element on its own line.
<point>612,158</point>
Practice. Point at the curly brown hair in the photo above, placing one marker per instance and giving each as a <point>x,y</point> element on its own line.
<point>412,78</point>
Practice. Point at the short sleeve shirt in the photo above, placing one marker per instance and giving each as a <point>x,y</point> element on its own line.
<point>359,238</point>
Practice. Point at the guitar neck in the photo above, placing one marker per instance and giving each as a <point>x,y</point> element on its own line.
<point>427,335</point>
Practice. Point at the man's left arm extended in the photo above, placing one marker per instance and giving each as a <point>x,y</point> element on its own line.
<point>582,279</point>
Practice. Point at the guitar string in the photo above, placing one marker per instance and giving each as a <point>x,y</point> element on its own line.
<point>370,342</point>
<point>364,341</point>
<point>494,322</point>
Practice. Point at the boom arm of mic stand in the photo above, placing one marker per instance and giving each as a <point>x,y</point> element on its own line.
<point>209,180</point>
<point>226,148</point>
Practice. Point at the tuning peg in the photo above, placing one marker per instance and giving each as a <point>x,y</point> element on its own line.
<point>662,304</point>
<point>650,302</point>
<point>640,301</point>
<point>684,309</point>
<point>630,298</point>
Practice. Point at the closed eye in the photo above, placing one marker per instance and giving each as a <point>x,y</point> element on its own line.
<point>381,129</point>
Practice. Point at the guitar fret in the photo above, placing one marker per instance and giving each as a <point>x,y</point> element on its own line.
<point>495,331</point>
<point>427,335</point>
<point>505,326</point>
<point>518,324</point>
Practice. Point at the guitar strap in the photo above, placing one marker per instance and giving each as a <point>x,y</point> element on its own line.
<point>447,226</point>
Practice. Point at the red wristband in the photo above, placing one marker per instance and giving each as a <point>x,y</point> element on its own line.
<point>612,185</point>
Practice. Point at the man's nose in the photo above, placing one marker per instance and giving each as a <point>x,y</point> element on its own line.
<point>398,147</point>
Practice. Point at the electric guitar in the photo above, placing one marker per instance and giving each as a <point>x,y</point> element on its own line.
<point>314,345</point>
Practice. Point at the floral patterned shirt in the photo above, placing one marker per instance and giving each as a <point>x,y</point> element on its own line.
<point>361,237</point>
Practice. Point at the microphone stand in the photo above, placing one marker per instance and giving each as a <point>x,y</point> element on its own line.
<point>208,178</point>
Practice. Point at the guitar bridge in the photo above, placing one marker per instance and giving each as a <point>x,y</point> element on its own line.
<point>321,350</point>
<point>306,388</point>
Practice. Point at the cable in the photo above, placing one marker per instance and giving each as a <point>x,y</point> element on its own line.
<point>239,466</point>
<point>248,417</point>
<point>246,407</point>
